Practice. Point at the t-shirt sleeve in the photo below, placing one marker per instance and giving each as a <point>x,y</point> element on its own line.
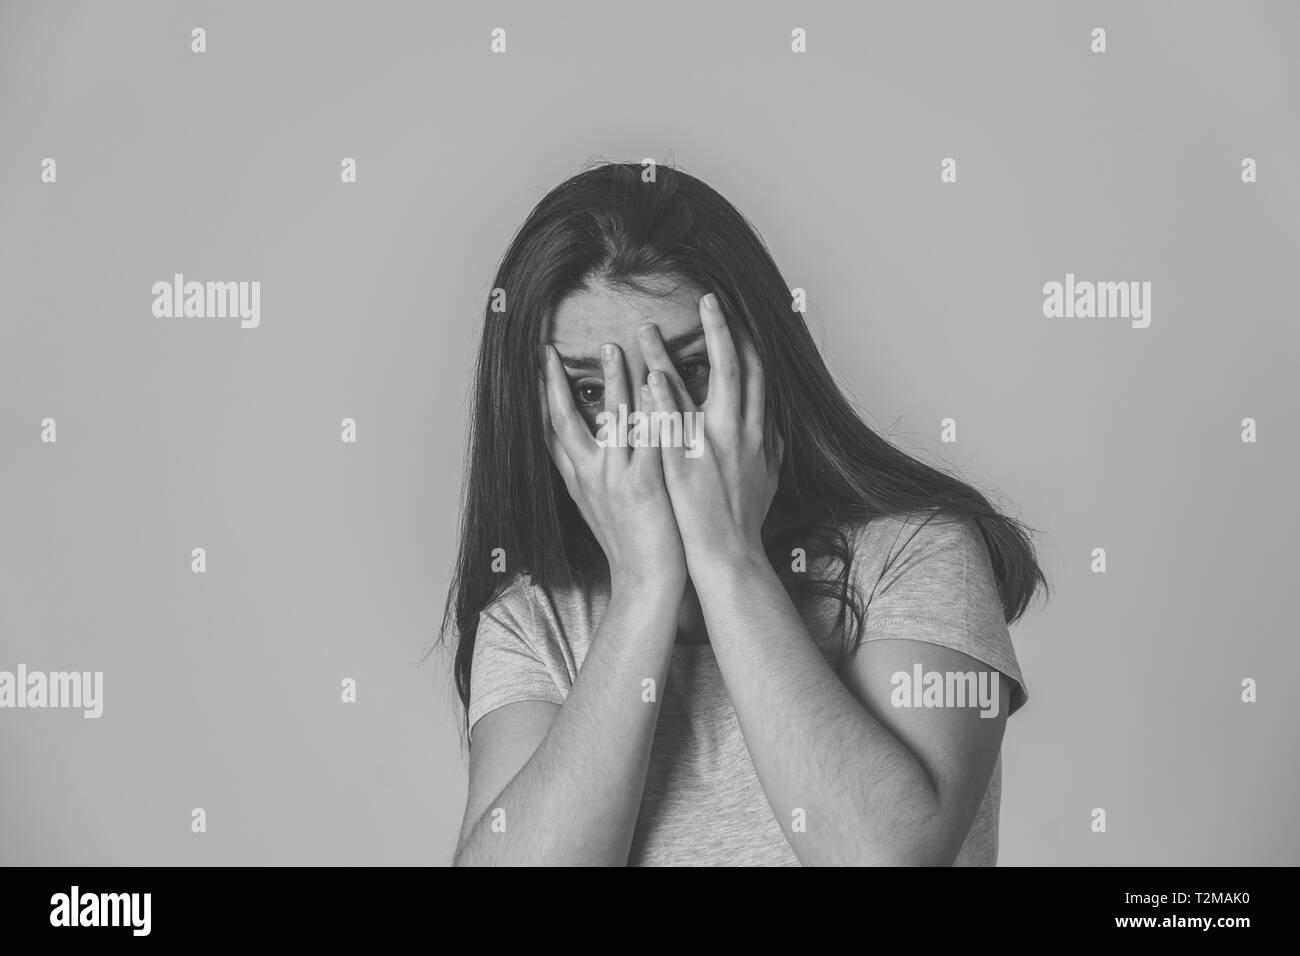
<point>938,586</point>
<point>506,668</point>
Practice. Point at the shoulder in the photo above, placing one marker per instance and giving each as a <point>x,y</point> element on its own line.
<point>899,544</point>
<point>542,615</point>
<point>929,577</point>
<point>510,610</point>
<point>925,525</point>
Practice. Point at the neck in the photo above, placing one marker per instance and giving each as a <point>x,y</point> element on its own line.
<point>690,619</point>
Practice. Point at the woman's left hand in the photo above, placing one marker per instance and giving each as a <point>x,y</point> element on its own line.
<point>722,490</point>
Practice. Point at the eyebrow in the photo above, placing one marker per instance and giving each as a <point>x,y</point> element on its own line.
<point>592,363</point>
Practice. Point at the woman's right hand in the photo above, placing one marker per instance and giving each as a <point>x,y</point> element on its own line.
<point>619,491</point>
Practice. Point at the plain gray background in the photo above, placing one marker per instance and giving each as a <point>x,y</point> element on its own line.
<point>328,560</point>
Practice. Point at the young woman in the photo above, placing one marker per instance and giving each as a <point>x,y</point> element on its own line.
<point>768,639</point>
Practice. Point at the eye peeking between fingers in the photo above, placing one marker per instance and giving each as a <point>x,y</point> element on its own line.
<point>694,372</point>
<point>589,393</point>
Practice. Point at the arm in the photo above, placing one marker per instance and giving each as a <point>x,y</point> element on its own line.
<point>879,785</point>
<point>876,784</point>
<point>569,778</point>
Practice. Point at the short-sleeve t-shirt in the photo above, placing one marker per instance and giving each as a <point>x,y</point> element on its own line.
<point>921,580</point>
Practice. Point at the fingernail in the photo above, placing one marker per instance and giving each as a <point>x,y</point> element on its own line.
<point>647,331</point>
<point>607,354</point>
<point>710,302</point>
<point>645,394</point>
<point>656,377</point>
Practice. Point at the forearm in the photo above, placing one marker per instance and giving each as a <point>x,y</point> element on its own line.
<point>575,801</point>
<point>865,798</point>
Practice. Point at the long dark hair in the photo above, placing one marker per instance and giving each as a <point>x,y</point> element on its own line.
<point>623,224</point>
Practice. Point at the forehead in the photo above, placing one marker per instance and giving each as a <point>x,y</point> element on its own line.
<point>586,320</point>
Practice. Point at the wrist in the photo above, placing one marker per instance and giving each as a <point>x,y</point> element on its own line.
<point>651,586</point>
<point>723,563</point>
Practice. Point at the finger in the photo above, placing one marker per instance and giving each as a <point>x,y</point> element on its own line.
<point>755,392</point>
<point>724,364</point>
<point>558,455</point>
<point>662,406</point>
<point>616,389</point>
<point>566,423</point>
<point>645,405</point>
<point>656,357</point>
<point>644,457</point>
